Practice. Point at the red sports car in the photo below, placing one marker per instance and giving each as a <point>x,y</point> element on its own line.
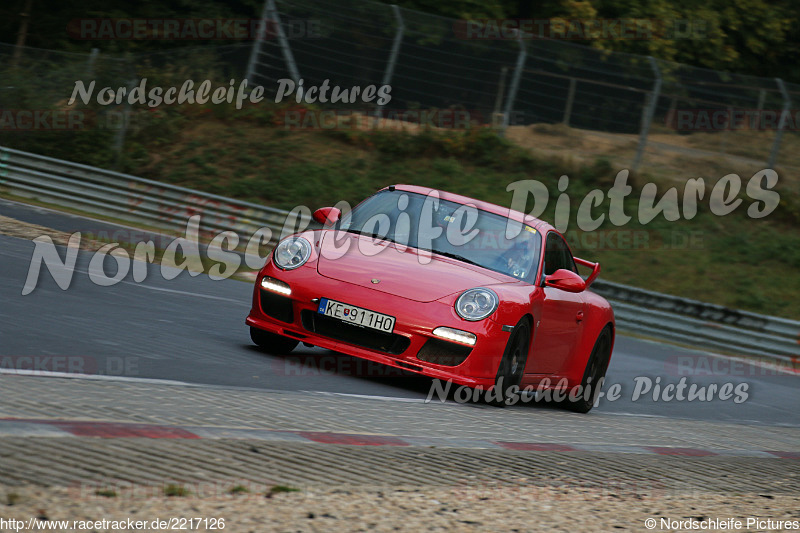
<point>442,285</point>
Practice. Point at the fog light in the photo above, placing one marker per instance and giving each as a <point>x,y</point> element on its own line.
<point>274,285</point>
<point>456,335</point>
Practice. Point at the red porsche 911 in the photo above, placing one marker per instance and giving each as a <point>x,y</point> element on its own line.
<point>442,285</point>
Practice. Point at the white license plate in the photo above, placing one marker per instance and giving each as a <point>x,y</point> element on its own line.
<point>356,315</point>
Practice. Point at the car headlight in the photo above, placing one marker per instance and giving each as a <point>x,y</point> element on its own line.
<point>292,252</point>
<point>477,304</point>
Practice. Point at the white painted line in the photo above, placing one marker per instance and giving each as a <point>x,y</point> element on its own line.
<point>93,377</point>
<point>157,381</point>
<point>158,231</point>
<point>366,396</point>
<point>17,428</point>
<point>198,295</point>
<point>207,432</point>
<point>642,415</point>
<point>174,291</point>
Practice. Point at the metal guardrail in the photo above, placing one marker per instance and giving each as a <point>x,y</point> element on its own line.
<point>161,205</point>
<point>133,199</point>
<point>702,324</point>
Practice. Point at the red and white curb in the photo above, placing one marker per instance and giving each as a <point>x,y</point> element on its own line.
<point>19,427</point>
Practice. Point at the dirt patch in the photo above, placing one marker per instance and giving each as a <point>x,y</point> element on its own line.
<point>24,230</point>
<point>507,508</point>
<point>669,158</point>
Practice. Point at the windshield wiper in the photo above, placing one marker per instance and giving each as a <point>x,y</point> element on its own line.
<point>451,255</point>
<point>371,234</point>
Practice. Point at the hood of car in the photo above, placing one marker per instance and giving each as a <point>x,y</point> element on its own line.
<point>397,270</point>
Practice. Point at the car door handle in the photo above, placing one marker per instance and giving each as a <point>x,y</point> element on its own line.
<point>579,316</point>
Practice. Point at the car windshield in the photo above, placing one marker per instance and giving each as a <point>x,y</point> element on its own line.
<point>450,229</point>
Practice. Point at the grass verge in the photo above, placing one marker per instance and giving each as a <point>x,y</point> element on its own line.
<point>732,260</point>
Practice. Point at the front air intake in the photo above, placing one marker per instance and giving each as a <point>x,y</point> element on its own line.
<point>441,352</point>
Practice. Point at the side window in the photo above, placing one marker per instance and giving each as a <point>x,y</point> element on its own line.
<point>557,255</point>
<point>569,262</point>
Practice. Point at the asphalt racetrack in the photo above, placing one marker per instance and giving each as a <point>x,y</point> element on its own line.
<point>191,329</point>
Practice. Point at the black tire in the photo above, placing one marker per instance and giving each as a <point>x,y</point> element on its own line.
<point>596,370</point>
<point>271,343</point>
<point>511,367</point>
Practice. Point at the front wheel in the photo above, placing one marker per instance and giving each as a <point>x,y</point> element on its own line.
<point>271,343</point>
<point>593,375</point>
<point>512,366</point>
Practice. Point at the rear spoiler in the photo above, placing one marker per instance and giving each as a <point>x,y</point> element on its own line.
<point>588,264</point>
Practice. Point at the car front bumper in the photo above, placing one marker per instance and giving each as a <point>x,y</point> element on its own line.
<point>296,316</point>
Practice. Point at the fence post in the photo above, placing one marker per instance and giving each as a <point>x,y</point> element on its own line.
<point>670,121</point>
<point>91,62</point>
<point>22,34</point>
<point>256,50</point>
<point>497,116</point>
<point>570,99</point>
<point>645,110</point>
<point>119,137</point>
<point>787,104</point>
<point>398,38</point>
<point>512,92</point>
<point>284,42</point>
<point>725,135</point>
<point>649,111</point>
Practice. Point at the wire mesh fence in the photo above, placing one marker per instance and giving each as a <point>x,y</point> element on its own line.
<point>634,109</point>
<point>645,111</point>
<point>35,88</point>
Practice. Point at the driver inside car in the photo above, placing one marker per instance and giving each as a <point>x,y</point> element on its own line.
<point>517,260</point>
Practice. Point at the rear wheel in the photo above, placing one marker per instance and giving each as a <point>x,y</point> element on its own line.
<point>512,366</point>
<point>595,372</point>
<point>271,343</point>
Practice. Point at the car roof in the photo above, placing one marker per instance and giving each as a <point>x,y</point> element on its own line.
<point>538,224</point>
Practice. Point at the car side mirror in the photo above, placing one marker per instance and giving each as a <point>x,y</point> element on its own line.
<point>327,215</point>
<point>566,280</point>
